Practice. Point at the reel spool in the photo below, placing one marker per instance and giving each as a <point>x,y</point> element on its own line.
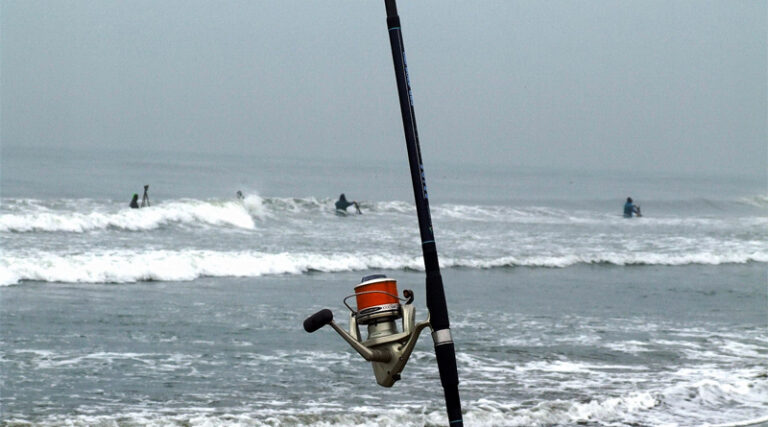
<point>378,307</point>
<point>376,298</point>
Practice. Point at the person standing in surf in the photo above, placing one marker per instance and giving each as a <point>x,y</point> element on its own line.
<point>342,204</point>
<point>145,198</point>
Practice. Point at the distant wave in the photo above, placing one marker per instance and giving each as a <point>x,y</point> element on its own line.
<point>128,266</point>
<point>617,259</point>
<point>124,266</point>
<point>69,218</point>
<point>759,200</point>
<point>73,216</point>
<point>84,215</point>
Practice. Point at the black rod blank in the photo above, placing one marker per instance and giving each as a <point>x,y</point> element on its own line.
<point>438,309</point>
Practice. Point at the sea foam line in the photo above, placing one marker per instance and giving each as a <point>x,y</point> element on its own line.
<point>40,218</point>
<point>126,266</point>
<point>162,265</point>
<point>79,216</point>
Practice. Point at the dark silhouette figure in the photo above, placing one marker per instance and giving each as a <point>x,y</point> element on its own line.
<point>342,204</point>
<point>145,197</point>
<point>630,208</point>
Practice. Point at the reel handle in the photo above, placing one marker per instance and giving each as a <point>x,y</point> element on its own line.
<point>318,320</point>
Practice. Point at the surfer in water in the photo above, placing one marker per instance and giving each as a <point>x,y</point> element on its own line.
<point>630,208</point>
<point>240,195</point>
<point>135,201</point>
<point>342,204</point>
<point>145,197</point>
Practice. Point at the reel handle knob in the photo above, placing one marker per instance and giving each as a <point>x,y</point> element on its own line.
<point>318,320</point>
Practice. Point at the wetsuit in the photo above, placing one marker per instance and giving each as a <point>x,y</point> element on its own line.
<point>629,209</point>
<point>342,204</point>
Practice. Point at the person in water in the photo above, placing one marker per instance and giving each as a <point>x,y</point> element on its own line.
<point>135,201</point>
<point>630,208</point>
<point>342,204</point>
<point>145,198</point>
<point>240,195</point>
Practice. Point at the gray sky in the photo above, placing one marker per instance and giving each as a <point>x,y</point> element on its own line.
<point>657,85</point>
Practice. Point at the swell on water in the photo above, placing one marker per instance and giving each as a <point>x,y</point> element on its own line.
<point>85,215</point>
<point>63,240</point>
<point>40,218</point>
<point>126,266</point>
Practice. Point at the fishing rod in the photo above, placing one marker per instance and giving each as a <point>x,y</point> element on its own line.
<point>438,309</point>
<point>378,305</point>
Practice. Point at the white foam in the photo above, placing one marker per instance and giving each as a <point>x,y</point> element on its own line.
<point>125,266</point>
<point>684,402</point>
<point>74,215</point>
<point>709,388</point>
<point>601,410</point>
<point>521,215</point>
<point>613,258</point>
<point>760,200</point>
<point>189,211</point>
<point>743,423</point>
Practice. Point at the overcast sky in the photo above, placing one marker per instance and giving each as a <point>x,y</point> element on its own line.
<point>658,85</point>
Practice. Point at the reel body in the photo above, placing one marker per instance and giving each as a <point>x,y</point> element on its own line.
<point>378,308</point>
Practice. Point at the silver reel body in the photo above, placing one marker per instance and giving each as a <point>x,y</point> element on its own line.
<point>386,347</point>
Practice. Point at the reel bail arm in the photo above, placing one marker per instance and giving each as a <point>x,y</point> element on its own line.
<point>325,317</point>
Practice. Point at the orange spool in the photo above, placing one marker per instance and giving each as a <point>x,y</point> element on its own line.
<point>377,295</point>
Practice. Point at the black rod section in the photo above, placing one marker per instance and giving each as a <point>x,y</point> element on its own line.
<point>438,310</point>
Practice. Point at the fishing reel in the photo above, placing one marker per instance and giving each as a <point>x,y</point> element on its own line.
<point>378,307</point>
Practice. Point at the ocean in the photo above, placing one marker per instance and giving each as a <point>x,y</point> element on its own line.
<point>189,312</point>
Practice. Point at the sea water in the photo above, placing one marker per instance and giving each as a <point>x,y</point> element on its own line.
<point>189,312</point>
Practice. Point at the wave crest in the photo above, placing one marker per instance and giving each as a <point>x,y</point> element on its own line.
<point>161,265</point>
<point>80,216</point>
<point>42,218</point>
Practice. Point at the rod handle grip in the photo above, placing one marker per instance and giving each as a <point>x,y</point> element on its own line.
<point>318,320</point>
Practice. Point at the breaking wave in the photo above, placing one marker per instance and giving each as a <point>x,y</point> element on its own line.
<point>759,201</point>
<point>127,266</point>
<point>84,215</point>
<point>81,216</point>
<point>689,401</point>
<point>36,217</point>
